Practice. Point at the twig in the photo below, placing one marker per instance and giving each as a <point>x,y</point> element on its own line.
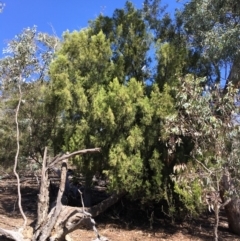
<point>81,200</point>
<point>203,166</point>
<point>165,213</point>
<point>90,217</point>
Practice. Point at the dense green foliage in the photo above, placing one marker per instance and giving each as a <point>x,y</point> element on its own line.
<point>104,101</point>
<point>133,85</point>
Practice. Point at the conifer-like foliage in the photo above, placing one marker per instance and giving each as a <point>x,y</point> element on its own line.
<point>98,87</point>
<point>132,84</point>
<point>130,41</point>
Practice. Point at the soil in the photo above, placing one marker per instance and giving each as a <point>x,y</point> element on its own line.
<point>108,224</point>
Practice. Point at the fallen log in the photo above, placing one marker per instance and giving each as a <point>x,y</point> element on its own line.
<point>55,223</point>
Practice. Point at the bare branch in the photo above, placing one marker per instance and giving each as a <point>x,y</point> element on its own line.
<point>209,171</point>
<point>82,200</point>
<point>67,156</point>
<point>102,206</point>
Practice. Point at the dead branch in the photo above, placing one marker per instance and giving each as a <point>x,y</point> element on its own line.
<point>12,234</point>
<point>102,206</point>
<point>60,220</point>
<point>73,218</point>
<point>67,156</point>
<point>46,225</point>
<point>43,196</point>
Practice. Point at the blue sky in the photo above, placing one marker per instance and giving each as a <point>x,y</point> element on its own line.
<point>57,15</point>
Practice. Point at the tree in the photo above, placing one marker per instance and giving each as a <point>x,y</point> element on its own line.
<point>213,26</point>
<point>129,41</point>
<point>175,55</point>
<point>21,70</point>
<point>106,102</point>
<point>85,76</point>
<point>125,117</point>
<point>159,130</point>
<point>28,56</point>
<point>211,172</point>
<point>19,67</point>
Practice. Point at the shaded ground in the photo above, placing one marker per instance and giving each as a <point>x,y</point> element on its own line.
<point>109,224</point>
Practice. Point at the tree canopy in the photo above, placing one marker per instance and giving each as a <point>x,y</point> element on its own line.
<point>134,85</point>
<point>104,101</point>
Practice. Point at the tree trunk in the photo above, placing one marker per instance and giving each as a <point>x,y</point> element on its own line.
<point>234,74</point>
<point>233,215</point>
<point>232,208</point>
<point>64,219</point>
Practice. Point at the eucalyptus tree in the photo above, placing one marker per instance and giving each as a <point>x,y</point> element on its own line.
<point>211,32</point>
<point>209,174</point>
<point>214,27</point>
<point>21,66</point>
<point>23,71</point>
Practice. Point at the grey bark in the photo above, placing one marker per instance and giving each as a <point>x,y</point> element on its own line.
<point>233,215</point>
<point>234,74</point>
<point>232,205</point>
<point>61,220</point>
